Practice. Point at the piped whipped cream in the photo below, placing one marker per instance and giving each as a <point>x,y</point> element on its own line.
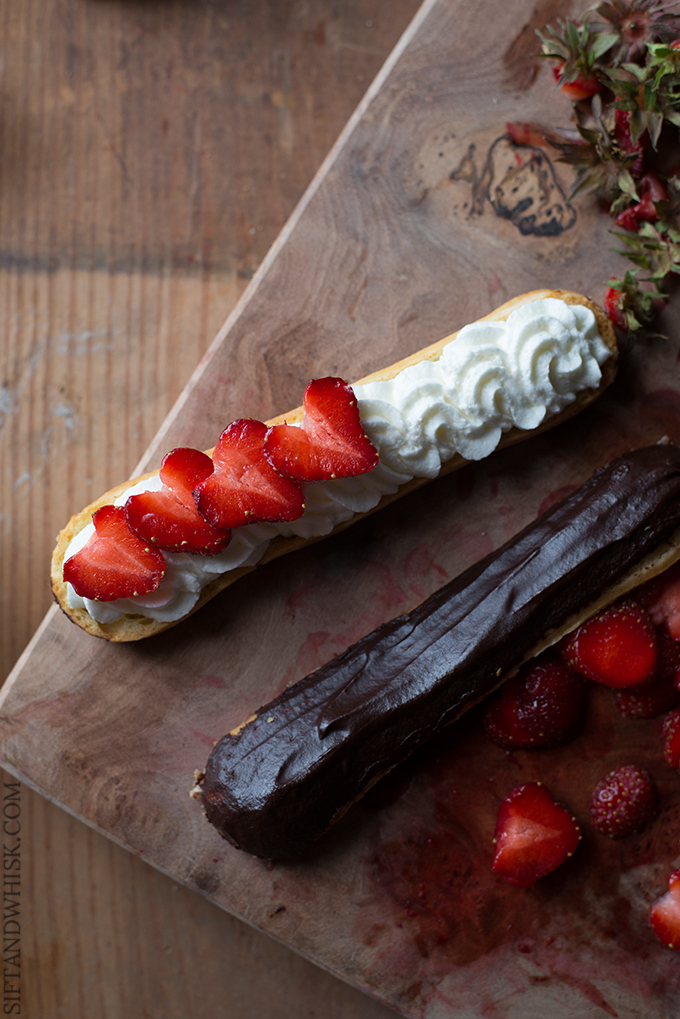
<point>491,377</point>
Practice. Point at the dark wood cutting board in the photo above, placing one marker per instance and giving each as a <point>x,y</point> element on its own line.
<point>421,219</point>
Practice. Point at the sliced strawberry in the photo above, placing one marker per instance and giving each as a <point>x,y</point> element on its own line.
<point>624,801</point>
<point>244,488</point>
<point>665,914</point>
<point>331,442</point>
<point>541,706</point>
<point>616,647</point>
<point>114,563</point>
<point>671,738</point>
<point>647,700</point>
<point>534,835</point>
<point>169,518</point>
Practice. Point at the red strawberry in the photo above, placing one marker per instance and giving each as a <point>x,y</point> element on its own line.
<point>534,835</point>
<point>624,801</point>
<point>612,304</point>
<point>244,488</point>
<point>660,693</point>
<point>665,914</point>
<point>661,597</point>
<point>651,190</point>
<point>524,133</point>
<point>539,707</point>
<point>616,647</point>
<point>624,139</point>
<point>668,662</point>
<point>169,518</point>
<point>628,219</point>
<point>671,738</point>
<point>114,563</point>
<point>647,700</point>
<point>331,442</point>
<point>582,87</point>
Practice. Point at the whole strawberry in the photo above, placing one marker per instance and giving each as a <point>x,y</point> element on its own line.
<point>659,694</point>
<point>647,700</point>
<point>662,600</point>
<point>624,801</point>
<point>613,304</point>
<point>671,738</point>
<point>583,86</point>
<point>616,647</point>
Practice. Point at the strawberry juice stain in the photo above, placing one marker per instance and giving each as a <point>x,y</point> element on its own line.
<point>429,868</point>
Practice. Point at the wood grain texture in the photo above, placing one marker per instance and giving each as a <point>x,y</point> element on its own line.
<point>105,935</point>
<point>150,152</point>
<point>418,222</point>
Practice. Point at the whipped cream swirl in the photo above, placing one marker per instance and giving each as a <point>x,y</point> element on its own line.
<point>491,377</point>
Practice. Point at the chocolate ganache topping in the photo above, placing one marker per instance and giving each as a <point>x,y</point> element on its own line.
<point>277,783</point>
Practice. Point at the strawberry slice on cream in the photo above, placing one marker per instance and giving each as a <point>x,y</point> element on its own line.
<point>115,562</point>
<point>331,443</point>
<point>169,518</point>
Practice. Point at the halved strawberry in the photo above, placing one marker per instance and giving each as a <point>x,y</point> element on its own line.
<point>671,738</point>
<point>244,488</point>
<point>331,442</point>
<point>616,647</point>
<point>539,707</point>
<point>169,518</point>
<point>624,801</point>
<point>534,835</point>
<point>114,563</point>
<point>665,914</point>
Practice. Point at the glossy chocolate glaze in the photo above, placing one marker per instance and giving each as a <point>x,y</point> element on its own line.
<point>281,780</point>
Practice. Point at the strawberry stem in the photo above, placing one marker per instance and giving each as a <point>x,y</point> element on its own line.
<point>621,68</point>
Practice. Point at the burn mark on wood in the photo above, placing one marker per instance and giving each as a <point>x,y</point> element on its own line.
<point>520,183</point>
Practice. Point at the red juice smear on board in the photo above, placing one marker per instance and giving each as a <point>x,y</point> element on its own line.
<point>430,870</point>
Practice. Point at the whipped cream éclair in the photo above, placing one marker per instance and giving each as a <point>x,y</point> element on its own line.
<point>493,376</point>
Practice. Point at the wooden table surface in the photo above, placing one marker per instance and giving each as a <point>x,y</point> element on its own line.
<point>150,152</point>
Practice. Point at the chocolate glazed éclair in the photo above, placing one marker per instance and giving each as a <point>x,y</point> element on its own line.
<point>277,782</point>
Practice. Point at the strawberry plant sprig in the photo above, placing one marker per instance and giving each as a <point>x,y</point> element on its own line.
<point>620,66</point>
<point>577,50</point>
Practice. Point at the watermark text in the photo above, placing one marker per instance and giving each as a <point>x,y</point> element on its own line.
<point>11,899</point>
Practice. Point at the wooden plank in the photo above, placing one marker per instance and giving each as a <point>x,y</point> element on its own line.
<point>150,162</point>
<point>400,240</point>
<point>151,154</point>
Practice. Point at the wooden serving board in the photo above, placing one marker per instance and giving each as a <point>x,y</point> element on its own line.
<point>422,218</point>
